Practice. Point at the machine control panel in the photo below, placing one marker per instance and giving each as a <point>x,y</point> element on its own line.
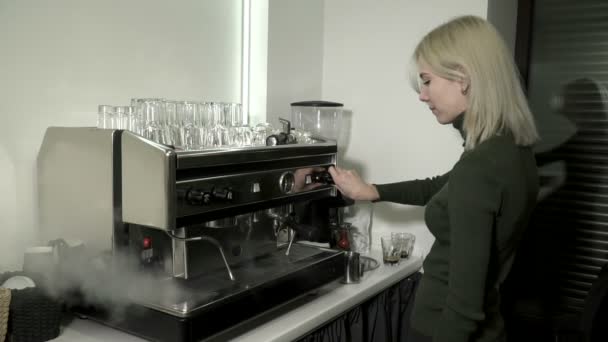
<point>196,196</point>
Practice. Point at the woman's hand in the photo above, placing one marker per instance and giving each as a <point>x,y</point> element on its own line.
<point>352,186</point>
<point>300,179</point>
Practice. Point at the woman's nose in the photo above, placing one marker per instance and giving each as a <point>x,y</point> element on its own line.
<point>423,96</point>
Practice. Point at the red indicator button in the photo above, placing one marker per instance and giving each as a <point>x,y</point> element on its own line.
<point>147,243</point>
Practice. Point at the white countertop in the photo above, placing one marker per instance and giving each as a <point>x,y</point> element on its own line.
<point>285,323</point>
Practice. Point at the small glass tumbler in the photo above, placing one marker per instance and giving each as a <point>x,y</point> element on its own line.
<point>153,112</point>
<point>122,115</point>
<point>105,116</point>
<point>186,113</point>
<point>171,125</point>
<point>407,241</point>
<point>260,132</point>
<point>391,250</point>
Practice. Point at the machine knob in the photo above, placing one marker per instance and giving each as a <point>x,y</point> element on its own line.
<point>287,182</point>
<point>322,177</point>
<point>198,197</point>
<point>223,193</point>
<point>255,187</point>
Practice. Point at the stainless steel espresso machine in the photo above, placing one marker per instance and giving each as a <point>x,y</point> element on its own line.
<point>211,238</point>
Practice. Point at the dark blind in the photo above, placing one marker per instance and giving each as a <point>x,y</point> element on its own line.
<point>567,241</point>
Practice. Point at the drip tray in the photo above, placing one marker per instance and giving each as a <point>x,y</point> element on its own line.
<point>191,310</point>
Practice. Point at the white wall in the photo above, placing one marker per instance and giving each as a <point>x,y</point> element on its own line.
<point>62,58</point>
<point>295,54</point>
<point>364,53</point>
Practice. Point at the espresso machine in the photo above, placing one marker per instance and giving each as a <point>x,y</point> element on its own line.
<point>208,238</point>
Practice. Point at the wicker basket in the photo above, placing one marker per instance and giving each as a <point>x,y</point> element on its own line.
<point>33,315</point>
<point>5,302</point>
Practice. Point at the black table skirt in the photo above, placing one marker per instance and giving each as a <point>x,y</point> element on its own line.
<point>384,317</point>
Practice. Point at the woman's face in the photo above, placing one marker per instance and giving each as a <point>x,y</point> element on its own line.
<point>446,98</point>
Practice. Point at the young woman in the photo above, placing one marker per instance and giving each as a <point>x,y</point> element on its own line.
<point>479,209</point>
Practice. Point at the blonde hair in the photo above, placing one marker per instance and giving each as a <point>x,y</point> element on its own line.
<point>469,49</point>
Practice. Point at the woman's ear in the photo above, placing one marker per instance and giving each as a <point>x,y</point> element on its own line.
<point>464,87</point>
<point>465,81</point>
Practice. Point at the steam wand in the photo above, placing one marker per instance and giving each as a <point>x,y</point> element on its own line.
<point>306,232</point>
<point>208,239</point>
<point>293,236</point>
<point>285,223</point>
<point>289,223</point>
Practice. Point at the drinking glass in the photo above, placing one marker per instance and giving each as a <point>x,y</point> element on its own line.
<point>235,115</point>
<point>122,115</point>
<point>203,122</point>
<point>391,250</point>
<point>171,125</point>
<point>105,114</point>
<point>240,136</point>
<point>407,241</point>
<point>260,132</point>
<point>360,216</point>
<point>153,110</point>
<point>138,122</point>
<point>303,137</point>
<point>218,128</point>
<point>186,113</point>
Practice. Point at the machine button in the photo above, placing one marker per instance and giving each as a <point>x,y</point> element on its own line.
<point>287,182</point>
<point>308,179</point>
<point>255,187</point>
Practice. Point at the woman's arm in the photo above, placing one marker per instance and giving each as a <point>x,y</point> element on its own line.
<point>415,192</point>
<point>352,185</point>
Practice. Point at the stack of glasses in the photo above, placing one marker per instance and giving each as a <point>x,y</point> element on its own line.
<point>185,125</point>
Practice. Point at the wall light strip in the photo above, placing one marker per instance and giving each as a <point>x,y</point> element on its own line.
<point>245,58</point>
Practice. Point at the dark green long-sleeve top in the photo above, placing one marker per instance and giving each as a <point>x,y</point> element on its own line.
<point>477,213</point>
